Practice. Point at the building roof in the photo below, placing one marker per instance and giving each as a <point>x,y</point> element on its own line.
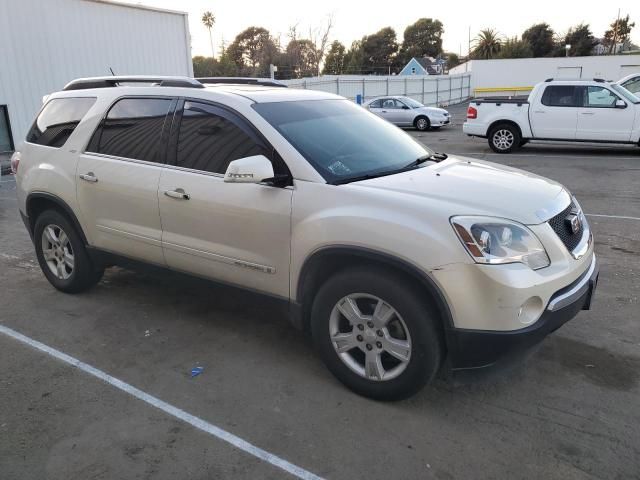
<point>139,6</point>
<point>427,64</point>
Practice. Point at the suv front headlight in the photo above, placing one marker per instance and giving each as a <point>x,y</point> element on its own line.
<point>497,240</point>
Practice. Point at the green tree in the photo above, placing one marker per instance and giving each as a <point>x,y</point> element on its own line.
<point>208,19</point>
<point>354,58</point>
<point>515,48</point>
<point>581,40</point>
<point>453,60</point>
<point>486,45</point>
<point>540,39</point>
<point>424,37</point>
<point>252,51</point>
<point>618,34</point>
<point>379,50</point>
<point>334,63</point>
<point>299,57</point>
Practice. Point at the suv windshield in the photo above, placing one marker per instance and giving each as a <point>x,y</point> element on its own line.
<point>411,102</point>
<point>625,93</point>
<point>341,140</point>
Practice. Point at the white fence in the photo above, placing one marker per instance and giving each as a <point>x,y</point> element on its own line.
<point>430,90</point>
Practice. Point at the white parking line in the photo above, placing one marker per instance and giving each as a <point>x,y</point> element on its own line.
<point>192,420</point>
<point>612,216</point>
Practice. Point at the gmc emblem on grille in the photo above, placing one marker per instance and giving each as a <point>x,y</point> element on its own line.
<point>573,222</point>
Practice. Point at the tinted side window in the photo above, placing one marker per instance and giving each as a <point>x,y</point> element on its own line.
<point>560,96</point>
<point>58,119</point>
<point>132,129</point>
<point>208,141</point>
<point>376,104</point>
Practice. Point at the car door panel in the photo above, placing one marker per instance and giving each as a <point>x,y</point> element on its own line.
<point>555,116</point>
<point>600,120</point>
<point>231,232</point>
<point>236,233</point>
<point>118,177</point>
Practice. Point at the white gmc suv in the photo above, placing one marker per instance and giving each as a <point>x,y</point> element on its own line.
<point>397,260</point>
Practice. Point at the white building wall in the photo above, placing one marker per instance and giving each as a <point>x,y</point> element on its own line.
<point>526,72</point>
<point>45,44</point>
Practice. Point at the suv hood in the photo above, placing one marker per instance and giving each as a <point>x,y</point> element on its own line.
<point>476,187</point>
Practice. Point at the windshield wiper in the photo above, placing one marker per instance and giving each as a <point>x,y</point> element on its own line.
<point>368,176</point>
<point>434,157</point>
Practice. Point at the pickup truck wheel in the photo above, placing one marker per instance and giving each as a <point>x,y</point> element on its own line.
<point>422,123</point>
<point>62,255</point>
<point>504,138</point>
<point>376,334</point>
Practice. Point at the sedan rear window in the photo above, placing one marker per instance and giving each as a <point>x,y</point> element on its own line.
<point>58,119</point>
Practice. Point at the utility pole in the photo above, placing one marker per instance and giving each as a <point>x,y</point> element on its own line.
<point>469,54</point>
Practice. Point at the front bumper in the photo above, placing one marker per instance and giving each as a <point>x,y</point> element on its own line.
<point>472,349</point>
<point>440,121</point>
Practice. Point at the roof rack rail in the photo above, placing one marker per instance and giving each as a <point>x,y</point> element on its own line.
<point>599,80</point>
<point>549,80</point>
<point>267,82</point>
<point>114,81</point>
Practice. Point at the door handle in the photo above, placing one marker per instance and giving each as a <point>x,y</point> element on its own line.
<point>588,113</point>
<point>178,193</point>
<point>539,111</point>
<point>89,177</point>
<point>384,111</point>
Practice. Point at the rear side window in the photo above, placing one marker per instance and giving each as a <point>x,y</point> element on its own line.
<point>633,85</point>
<point>561,96</point>
<point>58,119</point>
<point>209,141</point>
<point>376,104</point>
<point>132,129</point>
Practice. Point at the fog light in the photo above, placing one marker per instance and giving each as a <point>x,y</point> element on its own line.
<point>530,310</point>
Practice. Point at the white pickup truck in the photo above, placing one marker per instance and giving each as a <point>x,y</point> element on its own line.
<point>559,110</point>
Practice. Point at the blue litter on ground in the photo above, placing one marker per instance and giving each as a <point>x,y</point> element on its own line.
<point>195,371</point>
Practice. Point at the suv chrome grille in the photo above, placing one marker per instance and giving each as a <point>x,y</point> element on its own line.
<point>563,229</point>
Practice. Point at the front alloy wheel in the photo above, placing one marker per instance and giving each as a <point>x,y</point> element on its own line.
<point>377,332</point>
<point>370,337</point>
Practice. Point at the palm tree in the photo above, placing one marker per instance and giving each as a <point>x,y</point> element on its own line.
<point>209,20</point>
<point>487,44</point>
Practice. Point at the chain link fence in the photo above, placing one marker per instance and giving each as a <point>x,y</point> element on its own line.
<point>431,90</point>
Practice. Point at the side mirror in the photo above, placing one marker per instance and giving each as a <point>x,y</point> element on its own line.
<point>254,169</point>
<point>404,107</point>
<point>621,104</point>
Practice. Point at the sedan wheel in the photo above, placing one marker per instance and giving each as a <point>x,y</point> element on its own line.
<point>423,124</point>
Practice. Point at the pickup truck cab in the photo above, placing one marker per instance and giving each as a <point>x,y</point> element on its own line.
<point>559,110</point>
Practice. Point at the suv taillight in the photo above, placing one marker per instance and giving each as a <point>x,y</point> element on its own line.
<point>15,161</point>
<point>472,112</point>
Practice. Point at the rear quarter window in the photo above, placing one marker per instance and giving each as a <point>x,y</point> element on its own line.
<point>58,119</point>
<point>561,96</point>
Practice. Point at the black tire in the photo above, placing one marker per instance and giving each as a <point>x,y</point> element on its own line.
<point>504,138</point>
<point>84,274</point>
<point>422,123</point>
<point>418,316</point>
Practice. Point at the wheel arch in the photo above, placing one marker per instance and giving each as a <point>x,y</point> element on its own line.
<point>38,202</point>
<point>503,122</point>
<point>329,260</point>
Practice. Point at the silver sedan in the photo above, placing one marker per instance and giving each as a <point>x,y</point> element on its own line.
<point>407,112</point>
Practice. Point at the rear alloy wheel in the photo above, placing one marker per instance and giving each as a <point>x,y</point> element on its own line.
<point>62,254</point>
<point>504,138</point>
<point>422,123</point>
<point>375,332</point>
